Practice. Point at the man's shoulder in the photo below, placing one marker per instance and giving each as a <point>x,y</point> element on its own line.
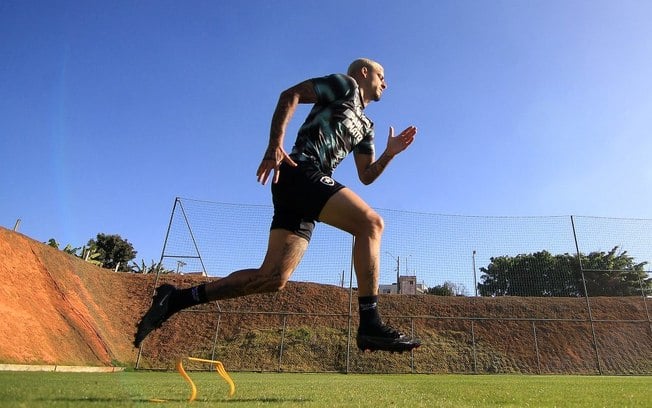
<point>336,78</point>
<point>343,79</point>
<point>335,86</point>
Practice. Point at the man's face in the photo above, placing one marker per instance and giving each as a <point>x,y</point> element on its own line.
<point>376,81</point>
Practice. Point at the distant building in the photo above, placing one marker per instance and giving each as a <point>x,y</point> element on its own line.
<point>422,288</point>
<point>407,286</point>
<point>387,289</point>
<point>201,273</point>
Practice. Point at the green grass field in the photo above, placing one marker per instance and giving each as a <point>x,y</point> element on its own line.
<point>137,389</point>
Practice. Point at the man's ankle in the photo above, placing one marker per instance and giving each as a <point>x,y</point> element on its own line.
<point>185,298</point>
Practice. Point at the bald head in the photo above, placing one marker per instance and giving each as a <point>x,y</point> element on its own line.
<point>356,66</point>
<point>370,77</point>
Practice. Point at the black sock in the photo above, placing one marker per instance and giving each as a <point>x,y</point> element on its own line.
<point>369,315</point>
<point>185,298</point>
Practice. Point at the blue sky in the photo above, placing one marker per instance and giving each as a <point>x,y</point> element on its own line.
<point>111,109</point>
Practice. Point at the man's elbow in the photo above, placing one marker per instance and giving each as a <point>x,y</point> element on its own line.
<point>288,97</point>
<point>366,180</point>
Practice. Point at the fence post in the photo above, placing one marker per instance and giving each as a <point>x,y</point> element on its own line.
<point>586,295</point>
<point>475,360</point>
<point>412,351</point>
<point>475,278</point>
<point>217,332</point>
<point>348,337</point>
<point>192,237</point>
<point>280,352</point>
<point>158,270</point>
<point>536,346</point>
<point>644,295</point>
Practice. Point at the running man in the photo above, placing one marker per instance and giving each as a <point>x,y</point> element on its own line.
<point>303,193</point>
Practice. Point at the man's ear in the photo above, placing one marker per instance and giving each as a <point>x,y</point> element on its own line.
<point>364,71</point>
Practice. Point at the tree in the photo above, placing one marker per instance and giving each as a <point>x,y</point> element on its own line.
<point>544,274</point>
<point>447,289</point>
<point>442,290</point>
<point>538,274</point>
<point>143,268</point>
<point>53,243</point>
<point>113,251</point>
<point>614,274</point>
<point>91,255</point>
<point>69,249</point>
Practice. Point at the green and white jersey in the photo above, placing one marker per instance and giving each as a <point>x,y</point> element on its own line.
<point>336,125</point>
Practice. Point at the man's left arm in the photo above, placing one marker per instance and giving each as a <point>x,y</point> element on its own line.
<point>369,169</point>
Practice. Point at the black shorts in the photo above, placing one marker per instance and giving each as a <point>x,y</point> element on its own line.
<point>299,196</point>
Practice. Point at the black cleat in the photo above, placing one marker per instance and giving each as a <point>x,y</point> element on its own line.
<point>385,338</point>
<point>156,315</point>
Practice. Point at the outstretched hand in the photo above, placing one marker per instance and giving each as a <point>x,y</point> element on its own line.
<point>396,144</point>
<point>271,163</point>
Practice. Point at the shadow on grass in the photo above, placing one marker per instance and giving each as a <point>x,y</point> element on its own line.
<point>175,400</point>
<point>266,400</point>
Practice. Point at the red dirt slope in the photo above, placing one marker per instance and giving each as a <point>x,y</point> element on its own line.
<point>58,309</point>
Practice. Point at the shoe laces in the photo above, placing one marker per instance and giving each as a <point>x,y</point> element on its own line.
<point>381,330</point>
<point>389,330</point>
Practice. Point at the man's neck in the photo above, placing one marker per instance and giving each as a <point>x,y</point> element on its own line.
<point>363,101</point>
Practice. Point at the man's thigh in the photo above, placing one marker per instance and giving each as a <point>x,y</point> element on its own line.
<point>285,250</point>
<point>345,210</point>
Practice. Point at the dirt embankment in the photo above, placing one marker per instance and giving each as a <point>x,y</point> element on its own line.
<point>58,309</point>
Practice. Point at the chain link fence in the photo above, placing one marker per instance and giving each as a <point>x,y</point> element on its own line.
<point>563,294</point>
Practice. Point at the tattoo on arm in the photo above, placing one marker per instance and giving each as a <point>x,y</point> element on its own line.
<point>282,114</point>
<point>287,104</point>
<point>376,168</point>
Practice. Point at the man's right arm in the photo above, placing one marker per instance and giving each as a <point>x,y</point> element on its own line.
<point>303,92</point>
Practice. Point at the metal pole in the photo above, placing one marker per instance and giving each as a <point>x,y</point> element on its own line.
<point>407,271</point>
<point>536,346</point>
<point>647,312</point>
<point>475,359</point>
<point>192,236</point>
<point>165,242</point>
<point>217,332</point>
<point>348,337</point>
<point>398,271</point>
<point>475,279</point>
<point>586,295</point>
<point>412,351</point>
<point>398,274</point>
<point>158,270</point>
<point>280,352</point>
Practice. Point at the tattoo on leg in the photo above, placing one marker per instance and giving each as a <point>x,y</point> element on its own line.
<point>376,168</point>
<point>252,281</point>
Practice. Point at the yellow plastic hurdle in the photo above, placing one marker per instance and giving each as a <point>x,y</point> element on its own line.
<point>219,367</point>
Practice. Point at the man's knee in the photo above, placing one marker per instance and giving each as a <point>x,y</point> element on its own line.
<point>276,279</point>
<point>278,282</point>
<point>373,224</point>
